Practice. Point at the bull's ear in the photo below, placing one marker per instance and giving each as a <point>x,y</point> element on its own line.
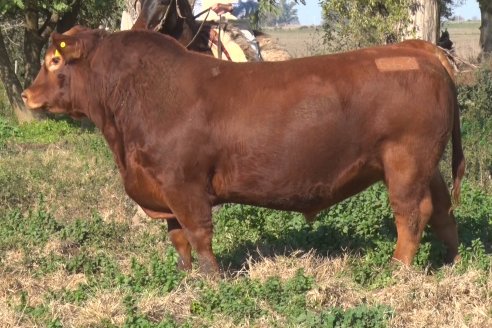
<point>69,47</point>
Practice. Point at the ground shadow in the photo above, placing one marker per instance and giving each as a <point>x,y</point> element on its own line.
<point>327,240</point>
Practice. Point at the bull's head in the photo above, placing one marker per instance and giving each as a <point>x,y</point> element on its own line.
<point>51,89</point>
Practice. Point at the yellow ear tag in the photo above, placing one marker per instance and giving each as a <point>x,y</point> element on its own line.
<point>57,53</point>
<point>63,44</point>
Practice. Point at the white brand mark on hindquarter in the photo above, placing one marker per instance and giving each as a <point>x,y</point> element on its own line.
<point>391,64</point>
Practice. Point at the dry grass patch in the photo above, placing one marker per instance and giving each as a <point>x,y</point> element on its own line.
<point>332,287</point>
<point>103,306</point>
<point>422,300</point>
<point>419,299</point>
<point>286,267</point>
<point>177,303</point>
<point>14,284</point>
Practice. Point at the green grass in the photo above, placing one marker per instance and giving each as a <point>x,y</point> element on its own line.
<point>95,249</point>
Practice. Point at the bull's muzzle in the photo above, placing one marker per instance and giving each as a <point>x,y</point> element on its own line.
<point>27,97</point>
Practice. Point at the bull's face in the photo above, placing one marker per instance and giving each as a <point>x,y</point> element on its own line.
<point>51,90</point>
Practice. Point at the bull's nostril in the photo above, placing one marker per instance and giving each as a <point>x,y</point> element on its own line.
<point>24,96</point>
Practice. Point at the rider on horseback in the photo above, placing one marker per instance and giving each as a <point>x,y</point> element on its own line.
<point>239,12</point>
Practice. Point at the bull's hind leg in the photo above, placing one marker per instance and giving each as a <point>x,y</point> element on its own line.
<point>177,236</point>
<point>194,214</point>
<point>180,242</point>
<point>411,200</point>
<point>442,221</point>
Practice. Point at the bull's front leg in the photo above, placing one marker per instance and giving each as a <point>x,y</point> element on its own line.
<point>194,214</point>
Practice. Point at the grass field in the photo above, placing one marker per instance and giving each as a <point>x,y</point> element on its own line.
<point>466,36</point>
<point>300,42</point>
<point>73,253</point>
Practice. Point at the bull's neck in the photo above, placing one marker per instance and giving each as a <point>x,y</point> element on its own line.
<point>92,100</point>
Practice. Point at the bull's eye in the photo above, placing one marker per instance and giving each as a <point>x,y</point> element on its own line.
<point>55,60</point>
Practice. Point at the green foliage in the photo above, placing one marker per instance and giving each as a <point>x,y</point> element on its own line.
<point>70,167</point>
<point>7,131</point>
<point>476,114</point>
<point>360,317</point>
<point>46,131</point>
<point>475,228</point>
<point>40,132</point>
<point>34,228</point>
<point>38,314</point>
<point>94,232</point>
<point>246,298</point>
<point>134,319</point>
<point>375,268</point>
<point>359,23</point>
<point>92,12</point>
<point>159,274</point>
<point>355,224</point>
<point>284,14</point>
<point>251,300</point>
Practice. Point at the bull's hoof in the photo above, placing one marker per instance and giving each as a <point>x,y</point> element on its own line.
<point>452,258</point>
<point>183,266</point>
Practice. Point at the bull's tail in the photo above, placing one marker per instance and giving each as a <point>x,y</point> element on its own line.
<point>458,159</point>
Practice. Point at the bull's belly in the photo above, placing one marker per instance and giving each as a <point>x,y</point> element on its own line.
<point>306,193</point>
<point>145,191</point>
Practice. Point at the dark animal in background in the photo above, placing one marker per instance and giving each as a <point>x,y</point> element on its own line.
<point>445,41</point>
<point>297,135</point>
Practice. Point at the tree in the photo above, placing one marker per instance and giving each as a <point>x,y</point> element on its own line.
<point>485,27</point>
<point>38,19</point>
<point>285,14</point>
<point>425,17</point>
<point>350,24</point>
<point>425,22</point>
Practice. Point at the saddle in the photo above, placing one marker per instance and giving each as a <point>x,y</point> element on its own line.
<point>227,42</point>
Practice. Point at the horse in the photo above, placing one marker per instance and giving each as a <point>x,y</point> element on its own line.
<point>175,18</point>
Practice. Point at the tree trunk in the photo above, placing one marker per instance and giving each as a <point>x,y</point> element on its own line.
<point>13,86</point>
<point>425,19</point>
<point>33,43</point>
<point>486,28</point>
